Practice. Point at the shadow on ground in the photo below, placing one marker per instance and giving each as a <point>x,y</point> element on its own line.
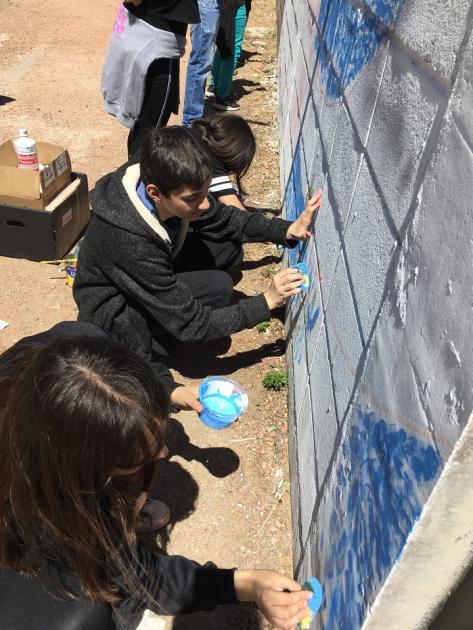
<point>184,358</point>
<point>262,262</point>
<point>219,461</point>
<point>175,486</point>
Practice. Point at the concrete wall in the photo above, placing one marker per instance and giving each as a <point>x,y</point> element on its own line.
<point>376,108</point>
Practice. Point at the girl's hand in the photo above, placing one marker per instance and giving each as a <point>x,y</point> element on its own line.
<point>280,599</point>
<point>299,230</point>
<point>284,284</point>
<point>186,397</point>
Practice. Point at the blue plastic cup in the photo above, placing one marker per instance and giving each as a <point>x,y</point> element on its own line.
<point>303,268</point>
<point>223,401</point>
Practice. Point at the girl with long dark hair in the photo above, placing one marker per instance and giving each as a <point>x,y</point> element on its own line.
<point>82,424</point>
<point>233,146</point>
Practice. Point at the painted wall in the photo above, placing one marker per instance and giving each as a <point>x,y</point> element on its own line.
<point>376,108</point>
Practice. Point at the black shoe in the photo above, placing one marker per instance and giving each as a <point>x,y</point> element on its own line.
<point>226,104</point>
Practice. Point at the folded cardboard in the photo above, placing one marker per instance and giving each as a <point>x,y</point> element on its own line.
<point>48,234</point>
<point>33,189</point>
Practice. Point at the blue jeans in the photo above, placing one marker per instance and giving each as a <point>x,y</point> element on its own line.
<point>203,37</point>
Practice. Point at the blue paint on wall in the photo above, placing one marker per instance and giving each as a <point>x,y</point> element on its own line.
<point>351,38</point>
<point>299,345</point>
<point>312,315</point>
<point>382,480</point>
<point>294,200</point>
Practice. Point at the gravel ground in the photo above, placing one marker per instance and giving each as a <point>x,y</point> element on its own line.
<point>228,490</point>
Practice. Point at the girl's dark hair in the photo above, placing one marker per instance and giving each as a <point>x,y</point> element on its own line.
<point>72,411</point>
<point>231,140</point>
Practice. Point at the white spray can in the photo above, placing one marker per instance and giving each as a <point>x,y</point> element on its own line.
<point>26,151</point>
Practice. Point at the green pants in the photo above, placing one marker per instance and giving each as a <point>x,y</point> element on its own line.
<point>223,69</point>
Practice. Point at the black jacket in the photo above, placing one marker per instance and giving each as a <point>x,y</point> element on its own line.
<point>174,585</point>
<point>125,281</point>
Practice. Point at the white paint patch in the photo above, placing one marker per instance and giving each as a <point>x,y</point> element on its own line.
<point>23,65</point>
<point>453,355</point>
<point>405,275</point>
<point>4,37</point>
<point>450,287</point>
<point>454,406</point>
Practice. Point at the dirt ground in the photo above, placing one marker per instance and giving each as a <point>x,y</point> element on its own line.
<point>228,490</point>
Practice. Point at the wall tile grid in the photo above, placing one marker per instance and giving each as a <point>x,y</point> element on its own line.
<point>375,109</point>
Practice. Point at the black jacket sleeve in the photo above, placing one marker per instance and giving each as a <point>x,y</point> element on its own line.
<point>174,585</point>
<point>223,222</point>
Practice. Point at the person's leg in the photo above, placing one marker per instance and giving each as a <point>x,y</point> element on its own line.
<point>240,25</point>
<point>200,62</point>
<point>215,69</point>
<point>198,254</point>
<point>160,99</point>
<point>210,287</point>
<point>223,99</point>
<point>225,77</point>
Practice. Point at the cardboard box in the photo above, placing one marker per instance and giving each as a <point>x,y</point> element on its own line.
<point>48,234</point>
<point>33,189</point>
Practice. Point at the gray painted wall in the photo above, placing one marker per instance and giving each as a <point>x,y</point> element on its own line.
<point>376,102</point>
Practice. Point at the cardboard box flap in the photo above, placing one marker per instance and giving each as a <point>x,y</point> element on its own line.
<point>26,184</point>
<point>8,155</point>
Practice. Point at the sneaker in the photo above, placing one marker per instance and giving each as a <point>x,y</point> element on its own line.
<point>210,91</point>
<point>226,104</point>
<point>154,515</point>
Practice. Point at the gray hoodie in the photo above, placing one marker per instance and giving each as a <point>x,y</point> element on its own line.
<point>134,45</point>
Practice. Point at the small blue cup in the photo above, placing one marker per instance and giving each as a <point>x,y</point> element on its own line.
<point>223,401</point>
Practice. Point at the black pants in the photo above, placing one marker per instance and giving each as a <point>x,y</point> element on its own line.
<point>202,266</point>
<point>160,99</point>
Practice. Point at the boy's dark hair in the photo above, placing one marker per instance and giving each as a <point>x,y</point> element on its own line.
<point>172,157</point>
<point>231,140</point>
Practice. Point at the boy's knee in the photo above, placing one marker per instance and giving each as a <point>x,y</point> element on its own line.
<point>224,287</point>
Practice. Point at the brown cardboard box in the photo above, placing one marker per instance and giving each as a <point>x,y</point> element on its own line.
<point>33,189</point>
<point>50,234</point>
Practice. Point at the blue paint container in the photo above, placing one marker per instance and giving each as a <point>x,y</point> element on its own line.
<point>223,401</point>
<point>303,268</point>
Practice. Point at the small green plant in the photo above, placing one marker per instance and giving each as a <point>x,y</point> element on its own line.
<point>276,380</point>
<point>262,327</point>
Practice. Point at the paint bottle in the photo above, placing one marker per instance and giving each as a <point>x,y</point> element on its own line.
<point>26,152</point>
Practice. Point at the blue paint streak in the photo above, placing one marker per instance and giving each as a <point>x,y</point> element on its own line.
<point>299,345</point>
<point>312,315</point>
<point>294,200</point>
<point>351,39</point>
<point>375,504</point>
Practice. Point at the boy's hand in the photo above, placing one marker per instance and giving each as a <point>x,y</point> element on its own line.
<point>186,397</point>
<point>269,591</point>
<point>299,230</point>
<point>284,284</point>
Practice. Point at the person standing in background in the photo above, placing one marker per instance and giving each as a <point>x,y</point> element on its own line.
<point>140,78</point>
<point>229,41</point>
<point>203,37</point>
